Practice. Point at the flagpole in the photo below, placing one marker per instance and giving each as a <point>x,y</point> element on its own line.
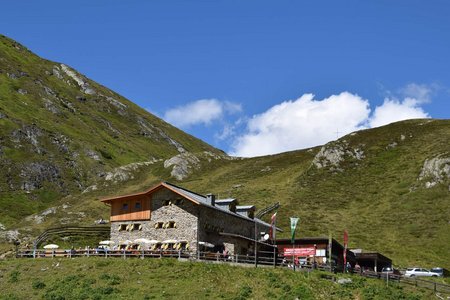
<point>293,254</point>
<point>293,227</point>
<point>273,233</point>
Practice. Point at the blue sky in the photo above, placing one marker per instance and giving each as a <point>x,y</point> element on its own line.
<point>253,77</point>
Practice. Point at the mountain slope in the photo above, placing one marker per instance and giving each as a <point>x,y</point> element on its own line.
<point>61,132</point>
<point>388,186</point>
<point>67,141</point>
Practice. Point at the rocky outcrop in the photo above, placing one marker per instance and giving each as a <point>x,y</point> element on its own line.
<point>82,83</point>
<point>39,218</point>
<point>9,236</point>
<point>126,172</point>
<point>36,173</point>
<point>156,133</point>
<point>182,165</point>
<point>29,134</point>
<point>435,170</point>
<point>332,154</point>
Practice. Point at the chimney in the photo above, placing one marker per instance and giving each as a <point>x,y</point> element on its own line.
<point>211,199</point>
<point>226,204</point>
<point>246,211</point>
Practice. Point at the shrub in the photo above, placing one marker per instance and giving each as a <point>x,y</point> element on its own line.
<point>244,293</point>
<point>37,284</point>
<point>14,276</point>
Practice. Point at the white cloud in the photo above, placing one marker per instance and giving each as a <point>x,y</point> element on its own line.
<point>393,110</point>
<point>302,123</point>
<point>202,111</point>
<point>308,122</point>
<point>421,93</point>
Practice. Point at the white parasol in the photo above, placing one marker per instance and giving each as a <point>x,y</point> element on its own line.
<point>206,244</point>
<point>106,243</point>
<point>127,242</point>
<point>51,246</point>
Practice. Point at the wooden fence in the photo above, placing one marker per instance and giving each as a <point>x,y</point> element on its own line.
<point>263,259</point>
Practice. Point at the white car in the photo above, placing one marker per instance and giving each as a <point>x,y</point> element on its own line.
<point>412,272</point>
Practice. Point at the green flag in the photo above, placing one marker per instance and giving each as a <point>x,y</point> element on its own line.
<point>294,222</point>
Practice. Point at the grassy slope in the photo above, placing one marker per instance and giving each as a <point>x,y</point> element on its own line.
<point>370,198</point>
<point>99,278</point>
<point>92,123</point>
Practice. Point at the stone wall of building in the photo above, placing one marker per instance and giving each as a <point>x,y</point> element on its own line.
<point>166,207</point>
<point>213,221</point>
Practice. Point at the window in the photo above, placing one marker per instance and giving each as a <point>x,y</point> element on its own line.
<point>159,225</point>
<point>171,224</point>
<point>137,205</point>
<point>166,203</point>
<point>136,226</point>
<point>123,227</point>
<point>125,206</point>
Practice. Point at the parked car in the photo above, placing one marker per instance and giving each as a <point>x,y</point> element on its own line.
<point>412,272</point>
<point>441,271</point>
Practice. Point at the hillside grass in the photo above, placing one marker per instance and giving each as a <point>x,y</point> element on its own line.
<point>84,122</point>
<point>100,278</point>
<point>378,199</point>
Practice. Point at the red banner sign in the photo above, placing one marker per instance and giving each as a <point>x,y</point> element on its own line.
<point>299,251</point>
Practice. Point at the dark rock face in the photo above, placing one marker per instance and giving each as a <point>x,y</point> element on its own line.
<point>28,134</point>
<point>35,174</point>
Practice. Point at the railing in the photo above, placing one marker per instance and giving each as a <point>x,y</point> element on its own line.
<point>263,260</point>
<point>267,209</point>
<point>432,285</point>
<point>71,230</point>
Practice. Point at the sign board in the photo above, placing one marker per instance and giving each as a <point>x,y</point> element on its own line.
<point>310,251</point>
<point>320,252</point>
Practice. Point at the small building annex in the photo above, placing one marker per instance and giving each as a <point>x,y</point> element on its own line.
<point>168,212</point>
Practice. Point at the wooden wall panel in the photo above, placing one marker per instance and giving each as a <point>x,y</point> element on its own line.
<point>131,211</point>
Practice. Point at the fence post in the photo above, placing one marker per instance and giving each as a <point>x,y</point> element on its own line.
<point>435,287</point>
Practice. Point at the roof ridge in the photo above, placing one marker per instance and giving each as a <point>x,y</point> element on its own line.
<point>184,189</point>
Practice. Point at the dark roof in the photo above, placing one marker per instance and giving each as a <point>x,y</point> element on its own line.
<point>245,207</point>
<point>225,201</point>
<point>372,256</point>
<point>190,195</point>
